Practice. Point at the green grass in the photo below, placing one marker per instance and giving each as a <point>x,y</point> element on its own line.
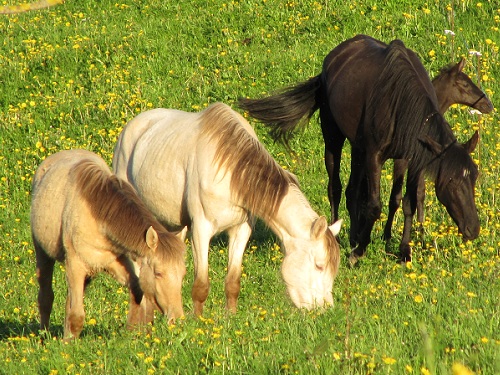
<point>71,77</point>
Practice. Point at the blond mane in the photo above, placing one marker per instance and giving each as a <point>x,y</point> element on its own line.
<point>257,180</point>
<point>115,204</point>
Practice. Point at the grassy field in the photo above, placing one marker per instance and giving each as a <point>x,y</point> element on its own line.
<point>71,76</point>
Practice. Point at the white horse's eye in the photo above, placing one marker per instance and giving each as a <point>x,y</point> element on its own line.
<point>320,267</point>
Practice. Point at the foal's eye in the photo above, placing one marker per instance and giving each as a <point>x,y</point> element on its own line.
<point>320,267</point>
<point>158,274</point>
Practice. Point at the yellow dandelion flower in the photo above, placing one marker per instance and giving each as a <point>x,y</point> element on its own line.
<point>424,371</point>
<point>418,298</point>
<point>389,360</point>
<point>431,53</point>
<point>460,369</point>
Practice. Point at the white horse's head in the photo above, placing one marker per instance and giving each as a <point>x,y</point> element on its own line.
<point>310,265</point>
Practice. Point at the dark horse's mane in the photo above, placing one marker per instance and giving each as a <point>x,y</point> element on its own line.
<point>115,204</point>
<point>412,110</point>
<point>257,180</point>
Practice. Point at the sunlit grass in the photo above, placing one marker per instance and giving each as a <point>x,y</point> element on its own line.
<point>74,74</point>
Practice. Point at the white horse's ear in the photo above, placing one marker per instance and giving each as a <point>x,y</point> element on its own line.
<point>335,227</point>
<point>319,227</point>
<point>152,238</point>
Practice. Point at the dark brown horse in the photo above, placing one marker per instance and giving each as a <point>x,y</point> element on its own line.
<point>380,98</point>
<point>452,86</point>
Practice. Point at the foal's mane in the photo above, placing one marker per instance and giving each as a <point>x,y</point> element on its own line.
<point>115,204</point>
<point>257,181</point>
<point>412,112</point>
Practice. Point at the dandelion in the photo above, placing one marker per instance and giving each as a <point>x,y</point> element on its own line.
<point>460,369</point>
<point>432,53</point>
<point>389,360</point>
<point>418,298</point>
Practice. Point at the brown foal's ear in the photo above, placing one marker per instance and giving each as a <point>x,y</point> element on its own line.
<point>152,238</point>
<point>460,65</point>
<point>471,144</point>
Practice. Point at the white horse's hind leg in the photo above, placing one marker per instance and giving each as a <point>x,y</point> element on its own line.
<point>238,239</point>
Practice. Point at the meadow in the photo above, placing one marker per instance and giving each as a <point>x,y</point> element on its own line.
<point>71,77</point>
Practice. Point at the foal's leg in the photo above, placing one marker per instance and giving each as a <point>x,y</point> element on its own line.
<point>44,272</point>
<point>123,270</point>
<point>201,232</point>
<point>373,206</point>
<point>76,273</point>
<point>400,167</point>
<point>238,238</point>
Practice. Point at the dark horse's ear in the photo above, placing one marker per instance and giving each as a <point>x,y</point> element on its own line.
<point>432,145</point>
<point>471,144</point>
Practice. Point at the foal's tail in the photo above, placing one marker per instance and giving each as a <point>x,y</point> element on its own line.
<point>287,110</point>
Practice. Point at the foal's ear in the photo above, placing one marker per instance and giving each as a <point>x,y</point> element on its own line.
<point>319,227</point>
<point>335,227</point>
<point>152,238</point>
<point>471,144</point>
<point>460,65</point>
<point>434,146</point>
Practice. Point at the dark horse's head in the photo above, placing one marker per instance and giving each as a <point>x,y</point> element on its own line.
<point>455,181</point>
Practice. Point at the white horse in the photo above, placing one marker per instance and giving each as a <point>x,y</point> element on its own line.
<point>208,171</point>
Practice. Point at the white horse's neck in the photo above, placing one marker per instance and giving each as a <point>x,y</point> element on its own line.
<point>294,217</point>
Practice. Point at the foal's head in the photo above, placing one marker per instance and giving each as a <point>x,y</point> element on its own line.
<point>452,85</point>
<point>310,266</point>
<point>455,182</point>
<point>162,272</point>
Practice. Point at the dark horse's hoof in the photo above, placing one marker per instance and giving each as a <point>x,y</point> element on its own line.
<point>353,258</point>
<point>405,251</point>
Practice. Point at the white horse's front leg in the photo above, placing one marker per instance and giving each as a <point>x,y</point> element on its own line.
<point>238,239</point>
<point>202,233</point>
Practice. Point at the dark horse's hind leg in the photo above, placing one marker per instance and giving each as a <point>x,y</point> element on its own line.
<point>44,272</point>
<point>356,196</point>
<point>373,206</point>
<point>334,141</point>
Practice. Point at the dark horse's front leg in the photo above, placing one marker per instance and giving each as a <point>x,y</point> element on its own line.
<point>368,176</point>
<point>409,208</point>
<point>400,167</point>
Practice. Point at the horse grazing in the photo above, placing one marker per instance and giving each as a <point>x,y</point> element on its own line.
<point>208,171</point>
<point>91,220</point>
<point>380,98</point>
<point>452,86</point>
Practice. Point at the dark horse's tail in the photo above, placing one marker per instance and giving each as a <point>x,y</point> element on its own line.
<point>287,110</point>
